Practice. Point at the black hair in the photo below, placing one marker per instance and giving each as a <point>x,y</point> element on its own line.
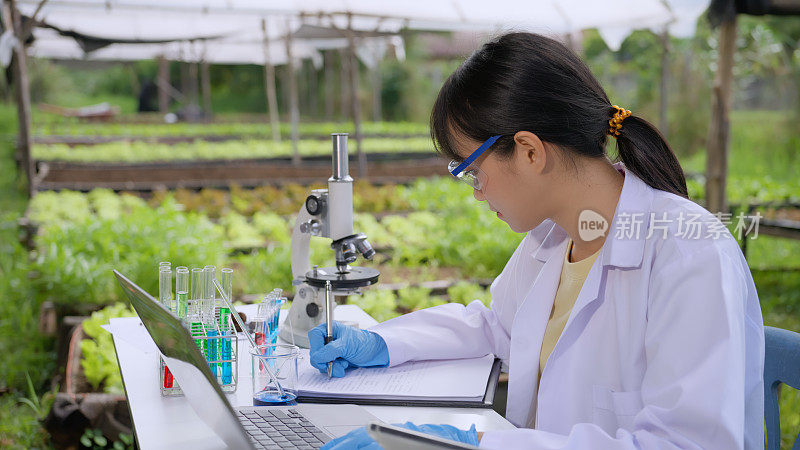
<point>528,82</point>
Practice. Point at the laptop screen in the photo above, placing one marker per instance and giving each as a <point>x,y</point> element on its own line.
<point>187,365</point>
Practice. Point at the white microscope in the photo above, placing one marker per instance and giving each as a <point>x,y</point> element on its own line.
<point>326,213</point>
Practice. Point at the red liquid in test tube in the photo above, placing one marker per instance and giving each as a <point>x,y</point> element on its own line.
<point>167,377</point>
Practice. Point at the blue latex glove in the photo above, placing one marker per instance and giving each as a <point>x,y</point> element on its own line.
<point>360,439</point>
<point>350,347</point>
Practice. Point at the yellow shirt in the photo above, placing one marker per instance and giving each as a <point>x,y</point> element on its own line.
<point>573,275</point>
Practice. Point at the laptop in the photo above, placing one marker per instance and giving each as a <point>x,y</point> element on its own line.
<point>272,427</point>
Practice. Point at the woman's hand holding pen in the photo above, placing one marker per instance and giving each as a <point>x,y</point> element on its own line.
<point>350,347</point>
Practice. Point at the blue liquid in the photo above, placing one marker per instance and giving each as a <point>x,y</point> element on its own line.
<point>273,398</point>
<point>225,345</point>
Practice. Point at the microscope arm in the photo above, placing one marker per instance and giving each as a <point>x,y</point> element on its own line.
<point>301,245</point>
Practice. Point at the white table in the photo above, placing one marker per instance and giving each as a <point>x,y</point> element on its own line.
<point>169,422</point>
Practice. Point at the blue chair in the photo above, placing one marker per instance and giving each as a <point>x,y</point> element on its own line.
<point>781,365</point>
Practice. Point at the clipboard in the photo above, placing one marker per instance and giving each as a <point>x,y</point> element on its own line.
<point>486,402</point>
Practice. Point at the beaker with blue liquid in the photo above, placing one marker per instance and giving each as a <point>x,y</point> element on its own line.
<point>281,360</point>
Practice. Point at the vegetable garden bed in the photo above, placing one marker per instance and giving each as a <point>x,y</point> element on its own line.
<point>80,140</point>
<point>381,168</point>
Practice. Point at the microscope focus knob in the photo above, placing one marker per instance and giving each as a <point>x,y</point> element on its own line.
<point>312,309</point>
<point>314,205</point>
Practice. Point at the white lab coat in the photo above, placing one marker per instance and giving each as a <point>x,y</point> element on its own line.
<point>664,347</point>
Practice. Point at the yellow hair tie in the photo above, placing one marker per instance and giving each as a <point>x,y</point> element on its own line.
<point>615,123</point>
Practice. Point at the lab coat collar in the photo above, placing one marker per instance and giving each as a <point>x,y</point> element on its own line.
<point>624,252</point>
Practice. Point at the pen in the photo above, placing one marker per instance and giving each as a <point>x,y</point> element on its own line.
<point>328,321</point>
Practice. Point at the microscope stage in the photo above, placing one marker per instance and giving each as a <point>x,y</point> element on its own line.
<point>357,277</point>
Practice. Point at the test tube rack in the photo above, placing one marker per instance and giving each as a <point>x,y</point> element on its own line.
<point>211,327</point>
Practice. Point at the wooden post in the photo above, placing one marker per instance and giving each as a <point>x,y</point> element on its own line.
<point>329,87</point>
<point>344,84</point>
<point>663,105</point>
<point>294,112</point>
<point>19,70</point>
<point>719,130</point>
<point>355,105</point>
<point>183,69</point>
<point>311,73</point>
<point>269,87</point>
<point>163,81</point>
<point>205,87</point>
<point>376,93</point>
<point>136,87</point>
<point>193,74</point>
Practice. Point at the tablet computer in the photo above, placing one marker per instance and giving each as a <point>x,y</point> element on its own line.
<point>392,437</point>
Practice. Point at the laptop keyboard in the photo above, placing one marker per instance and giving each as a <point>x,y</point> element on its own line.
<point>280,429</point>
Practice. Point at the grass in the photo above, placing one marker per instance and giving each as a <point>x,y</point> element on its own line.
<point>19,425</point>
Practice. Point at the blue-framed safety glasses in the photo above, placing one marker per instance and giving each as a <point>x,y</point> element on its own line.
<point>472,175</point>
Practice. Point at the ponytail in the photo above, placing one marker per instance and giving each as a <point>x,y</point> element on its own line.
<point>645,152</point>
<point>525,81</point>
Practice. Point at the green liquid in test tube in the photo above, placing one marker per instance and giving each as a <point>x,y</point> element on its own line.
<point>194,309</point>
<point>196,328</point>
<point>182,291</point>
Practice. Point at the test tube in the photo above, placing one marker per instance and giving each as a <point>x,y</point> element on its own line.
<point>263,329</point>
<point>276,310</point>
<point>165,298</point>
<point>225,325</point>
<point>194,318</point>
<point>165,285</point>
<point>196,292</point>
<point>210,317</point>
<point>260,331</point>
<point>208,292</point>
<point>182,291</point>
<point>227,282</point>
<point>227,288</point>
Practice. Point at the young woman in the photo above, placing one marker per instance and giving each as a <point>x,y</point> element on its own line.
<point>627,317</point>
